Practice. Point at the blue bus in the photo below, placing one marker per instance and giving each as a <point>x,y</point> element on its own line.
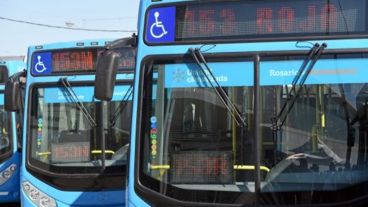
<point>73,154</point>
<point>245,103</point>
<point>10,152</point>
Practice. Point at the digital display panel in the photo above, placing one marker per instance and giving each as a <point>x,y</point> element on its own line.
<point>256,20</point>
<point>75,60</point>
<point>3,73</point>
<point>70,152</point>
<point>207,167</point>
<point>127,58</point>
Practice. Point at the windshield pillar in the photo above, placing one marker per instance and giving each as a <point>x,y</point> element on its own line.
<point>101,132</point>
<point>257,132</point>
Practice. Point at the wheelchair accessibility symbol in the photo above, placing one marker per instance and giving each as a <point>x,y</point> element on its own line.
<point>161,25</point>
<point>42,63</point>
<point>158,24</point>
<point>40,66</point>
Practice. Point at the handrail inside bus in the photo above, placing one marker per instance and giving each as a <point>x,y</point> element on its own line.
<point>235,167</point>
<point>92,152</point>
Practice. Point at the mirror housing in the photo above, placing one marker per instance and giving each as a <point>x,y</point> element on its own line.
<point>106,75</point>
<point>12,95</point>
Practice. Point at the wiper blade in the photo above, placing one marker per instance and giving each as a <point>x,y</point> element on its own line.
<point>206,70</point>
<point>122,105</point>
<point>75,99</point>
<point>300,78</point>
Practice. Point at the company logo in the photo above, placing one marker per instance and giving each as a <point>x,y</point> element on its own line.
<point>179,75</point>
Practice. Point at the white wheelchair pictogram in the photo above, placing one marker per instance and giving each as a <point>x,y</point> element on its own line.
<point>157,24</point>
<point>40,66</point>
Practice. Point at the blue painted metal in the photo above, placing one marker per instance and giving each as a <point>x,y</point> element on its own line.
<point>145,50</point>
<point>105,197</point>
<point>9,191</point>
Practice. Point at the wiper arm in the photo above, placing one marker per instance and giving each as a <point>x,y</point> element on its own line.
<point>206,70</point>
<point>122,106</point>
<point>75,99</point>
<point>279,120</point>
<point>313,56</point>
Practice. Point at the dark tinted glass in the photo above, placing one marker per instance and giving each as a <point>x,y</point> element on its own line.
<point>62,138</point>
<point>193,149</point>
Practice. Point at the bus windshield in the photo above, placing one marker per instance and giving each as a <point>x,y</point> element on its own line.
<point>5,133</point>
<point>63,140</point>
<point>193,149</point>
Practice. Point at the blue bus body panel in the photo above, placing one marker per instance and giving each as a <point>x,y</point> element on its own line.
<point>144,50</point>
<point>70,44</point>
<point>9,191</point>
<point>73,198</point>
<point>108,197</point>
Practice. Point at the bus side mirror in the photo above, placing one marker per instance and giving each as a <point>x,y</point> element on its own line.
<point>11,96</point>
<point>106,75</point>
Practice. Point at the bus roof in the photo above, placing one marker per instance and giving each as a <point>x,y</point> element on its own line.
<point>71,44</point>
<point>12,58</point>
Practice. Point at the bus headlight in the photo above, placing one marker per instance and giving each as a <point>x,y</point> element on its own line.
<point>46,201</point>
<point>34,194</point>
<point>39,198</point>
<point>7,173</point>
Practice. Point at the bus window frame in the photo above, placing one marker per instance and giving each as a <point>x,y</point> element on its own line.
<point>237,40</point>
<point>156,198</point>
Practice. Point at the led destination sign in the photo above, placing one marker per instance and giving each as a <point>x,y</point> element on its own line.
<point>74,60</point>
<point>213,167</point>
<point>70,152</point>
<point>65,61</point>
<point>255,20</point>
<point>127,58</point>
<point>77,60</point>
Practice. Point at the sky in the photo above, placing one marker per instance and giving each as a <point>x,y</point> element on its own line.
<point>89,14</point>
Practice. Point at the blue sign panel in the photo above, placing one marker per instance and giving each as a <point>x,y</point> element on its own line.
<point>41,63</point>
<point>161,25</point>
<point>61,95</point>
<point>324,72</point>
<point>84,94</point>
<point>233,74</point>
<point>120,92</point>
<point>229,74</point>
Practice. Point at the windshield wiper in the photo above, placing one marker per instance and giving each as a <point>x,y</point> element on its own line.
<point>299,79</point>
<point>206,70</point>
<point>302,74</point>
<point>122,105</point>
<point>74,98</point>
